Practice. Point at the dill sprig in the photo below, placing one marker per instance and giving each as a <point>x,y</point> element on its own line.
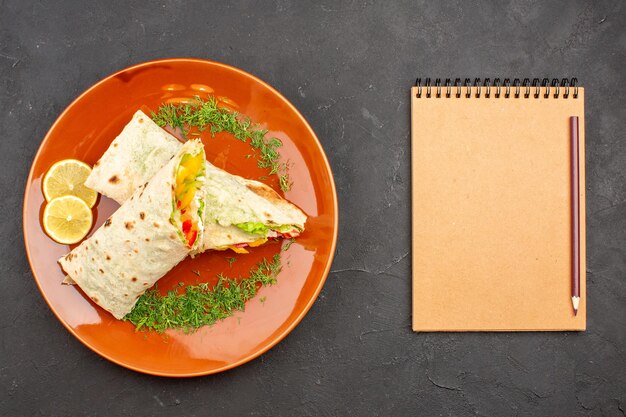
<point>200,305</point>
<point>203,114</point>
<point>288,244</point>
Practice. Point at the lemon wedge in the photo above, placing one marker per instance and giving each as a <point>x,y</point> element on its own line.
<point>67,177</point>
<point>67,219</point>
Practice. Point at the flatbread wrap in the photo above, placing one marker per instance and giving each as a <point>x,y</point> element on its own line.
<point>238,212</point>
<point>133,157</point>
<point>155,229</point>
<point>241,212</point>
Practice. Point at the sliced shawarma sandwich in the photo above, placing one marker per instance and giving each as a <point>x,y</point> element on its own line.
<point>238,212</point>
<point>134,156</point>
<point>155,229</point>
<point>241,212</point>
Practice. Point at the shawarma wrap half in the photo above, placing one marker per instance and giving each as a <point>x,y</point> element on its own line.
<point>155,229</point>
<point>238,212</point>
<point>134,156</point>
<point>241,212</point>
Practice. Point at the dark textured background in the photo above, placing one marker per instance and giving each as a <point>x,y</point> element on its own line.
<point>348,67</point>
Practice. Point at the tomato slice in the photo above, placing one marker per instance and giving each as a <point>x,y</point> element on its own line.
<point>191,237</point>
<point>186,227</point>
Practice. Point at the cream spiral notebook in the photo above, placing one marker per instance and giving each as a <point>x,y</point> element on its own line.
<point>491,205</point>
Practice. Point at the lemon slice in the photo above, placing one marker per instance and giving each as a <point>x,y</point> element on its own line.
<point>67,219</point>
<point>67,177</point>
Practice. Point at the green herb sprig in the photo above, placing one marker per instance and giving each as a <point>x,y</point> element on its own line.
<point>200,305</point>
<point>203,114</point>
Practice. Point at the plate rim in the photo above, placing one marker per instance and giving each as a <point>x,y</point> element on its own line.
<point>277,339</point>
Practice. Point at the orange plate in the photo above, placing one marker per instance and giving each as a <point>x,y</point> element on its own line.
<point>85,130</point>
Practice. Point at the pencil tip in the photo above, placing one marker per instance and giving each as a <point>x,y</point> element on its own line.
<point>575,303</point>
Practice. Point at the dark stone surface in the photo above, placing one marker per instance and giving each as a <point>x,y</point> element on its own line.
<point>348,67</point>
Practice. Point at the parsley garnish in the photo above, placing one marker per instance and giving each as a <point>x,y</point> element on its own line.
<point>203,114</point>
<point>200,305</point>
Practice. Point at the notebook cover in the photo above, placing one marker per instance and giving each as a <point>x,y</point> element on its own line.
<point>492,213</point>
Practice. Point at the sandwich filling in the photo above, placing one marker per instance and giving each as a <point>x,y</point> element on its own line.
<point>265,232</point>
<point>188,201</point>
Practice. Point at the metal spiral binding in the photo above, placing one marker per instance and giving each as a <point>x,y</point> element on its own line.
<point>557,88</point>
